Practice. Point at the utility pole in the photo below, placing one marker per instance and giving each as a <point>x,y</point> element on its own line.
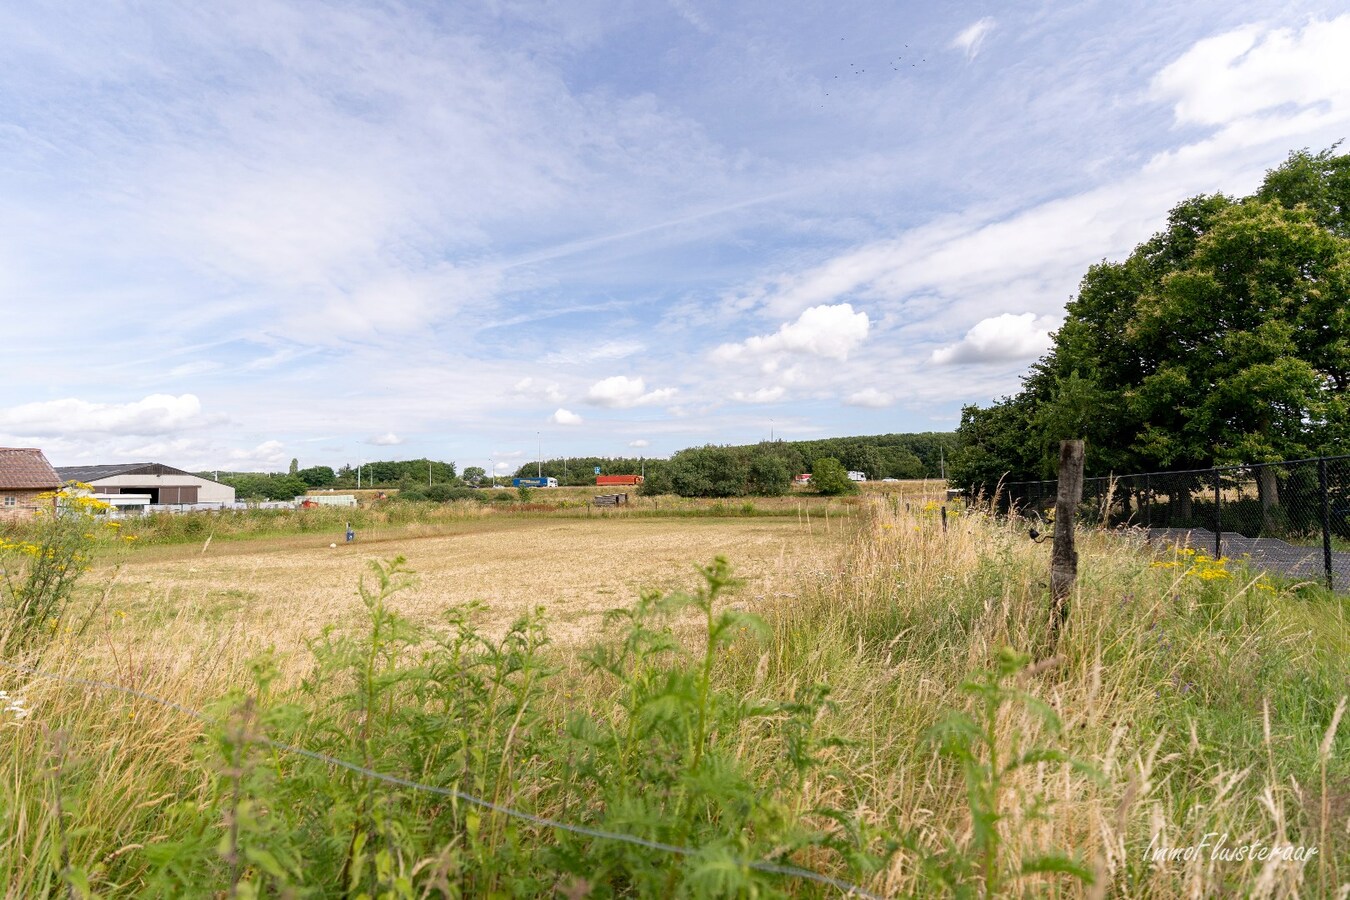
<point>428,471</point>
<point>539,465</point>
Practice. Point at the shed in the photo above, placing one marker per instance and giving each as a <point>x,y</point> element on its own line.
<point>162,485</point>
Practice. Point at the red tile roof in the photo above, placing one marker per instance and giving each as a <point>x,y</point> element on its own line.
<point>27,469</point>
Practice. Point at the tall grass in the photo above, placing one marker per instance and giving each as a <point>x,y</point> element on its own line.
<point>873,727</point>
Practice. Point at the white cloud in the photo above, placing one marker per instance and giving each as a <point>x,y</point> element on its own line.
<point>622,392</point>
<point>156,414</point>
<point>388,439</point>
<point>971,37</point>
<point>831,332</point>
<point>194,368</point>
<point>1244,72</point>
<point>589,353</point>
<point>565,417</point>
<point>870,398</point>
<point>267,456</point>
<point>640,443</point>
<point>529,388</point>
<point>763,395</point>
<point>1005,338</point>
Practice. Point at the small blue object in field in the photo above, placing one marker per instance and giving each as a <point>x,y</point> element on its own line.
<point>351,535</point>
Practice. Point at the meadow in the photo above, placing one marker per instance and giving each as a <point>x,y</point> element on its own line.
<point>870,702</point>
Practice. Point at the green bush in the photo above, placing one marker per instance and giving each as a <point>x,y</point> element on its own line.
<point>40,566</point>
<point>828,476</point>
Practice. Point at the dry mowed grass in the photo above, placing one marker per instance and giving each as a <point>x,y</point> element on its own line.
<point>279,592</point>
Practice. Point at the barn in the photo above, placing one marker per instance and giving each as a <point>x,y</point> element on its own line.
<point>25,474</point>
<point>131,485</point>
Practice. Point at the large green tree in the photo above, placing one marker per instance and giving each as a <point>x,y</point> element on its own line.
<point>1224,338</point>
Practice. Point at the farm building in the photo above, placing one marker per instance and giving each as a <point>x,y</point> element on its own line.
<point>24,475</point>
<point>133,485</point>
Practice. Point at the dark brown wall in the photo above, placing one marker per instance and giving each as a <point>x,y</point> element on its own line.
<point>178,494</point>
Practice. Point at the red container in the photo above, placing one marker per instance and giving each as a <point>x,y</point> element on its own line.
<point>612,480</point>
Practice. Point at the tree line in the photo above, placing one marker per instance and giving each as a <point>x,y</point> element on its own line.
<point>377,474</point>
<point>764,469</point>
<point>1224,338</point>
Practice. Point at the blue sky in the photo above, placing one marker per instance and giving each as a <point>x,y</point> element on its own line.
<point>236,233</point>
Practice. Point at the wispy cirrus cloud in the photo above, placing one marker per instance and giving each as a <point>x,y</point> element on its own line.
<point>971,38</point>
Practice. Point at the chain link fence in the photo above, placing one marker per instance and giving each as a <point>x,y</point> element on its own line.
<point>1293,517</point>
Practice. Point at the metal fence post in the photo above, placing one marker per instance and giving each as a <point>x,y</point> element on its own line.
<point>1218,521</point>
<point>1326,518</point>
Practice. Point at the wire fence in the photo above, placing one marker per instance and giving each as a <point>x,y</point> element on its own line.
<point>1292,516</point>
<point>770,868</point>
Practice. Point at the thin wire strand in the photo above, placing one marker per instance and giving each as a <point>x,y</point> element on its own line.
<point>757,865</point>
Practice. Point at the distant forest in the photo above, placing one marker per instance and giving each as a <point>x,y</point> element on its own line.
<point>921,455</point>
<point>293,483</point>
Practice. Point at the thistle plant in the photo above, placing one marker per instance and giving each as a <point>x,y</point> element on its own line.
<point>972,742</point>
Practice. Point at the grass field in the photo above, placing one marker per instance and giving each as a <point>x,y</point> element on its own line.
<point>286,589</point>
<point>869,727</point>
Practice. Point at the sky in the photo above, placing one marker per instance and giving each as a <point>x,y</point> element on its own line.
<point>234,234</point>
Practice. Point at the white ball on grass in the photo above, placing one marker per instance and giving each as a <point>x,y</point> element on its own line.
<point>333,546</point>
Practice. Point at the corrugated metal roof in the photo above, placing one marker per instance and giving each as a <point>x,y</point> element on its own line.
<point>90,474</point>
<point>25,468</point>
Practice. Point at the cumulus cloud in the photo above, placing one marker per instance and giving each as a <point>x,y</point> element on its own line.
<point>971,37</point>
<point>267,456</point>
<point>830,332</point>
<point>565,417</point>
<point>388,439</point>
<point>156,414</point>
<point>640,443</point>
<point>622,392</point>
<point>870,398</point>
<point>1005,338</point>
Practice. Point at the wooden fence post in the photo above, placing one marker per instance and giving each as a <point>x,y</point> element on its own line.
<point>1064,558</point>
